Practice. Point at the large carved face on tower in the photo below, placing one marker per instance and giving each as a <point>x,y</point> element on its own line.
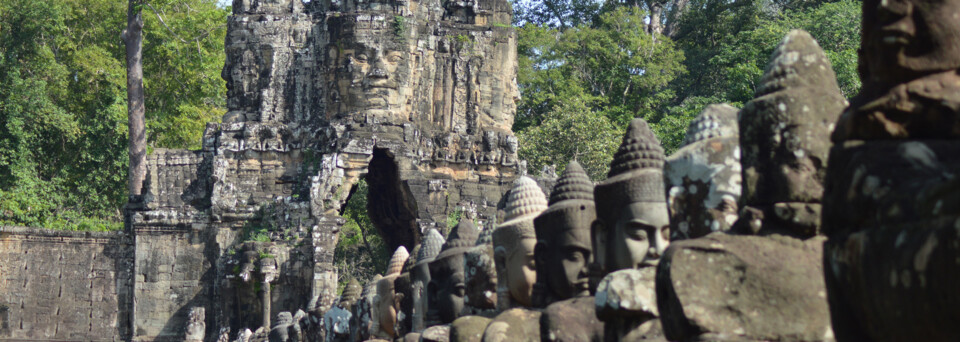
<point>904,39</point>
<point>371,68</point>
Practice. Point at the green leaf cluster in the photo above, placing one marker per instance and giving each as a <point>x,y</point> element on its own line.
<point>588,67</point>
<point>63,121</point>
<point>581,86</point>
<point>360,253</point>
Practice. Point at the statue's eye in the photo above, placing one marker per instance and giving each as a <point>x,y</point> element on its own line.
<point>575,256</point>
<point>460,290</point>
<point>395,58</point>
<point>638,231</point>
<point>665,232</point>
<point>362,58</point>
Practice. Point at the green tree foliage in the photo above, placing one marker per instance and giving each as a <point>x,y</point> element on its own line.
<point>183,54</point>
<point>360,253</point>
<point>581,85</point>
<point>63,102</point>
<point>743,57</point>
<point>728,44</point>
<point>580,60</point>
<point>571,131</point>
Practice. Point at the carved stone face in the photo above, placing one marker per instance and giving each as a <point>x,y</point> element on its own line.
<point>447,287</point>
<point>798,179</point>
<point>368,78</point>
<point>421,273</point>
<point>903,39</point>
<point>566,263</point>
<point>639,236</point>
<point>481,280</point>
<point>519,266</point>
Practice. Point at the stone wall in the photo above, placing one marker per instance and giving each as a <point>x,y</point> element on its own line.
<point>61,285</point>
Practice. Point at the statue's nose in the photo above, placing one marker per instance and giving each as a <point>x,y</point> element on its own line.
<point>654,252</point>
<point>377,72</point>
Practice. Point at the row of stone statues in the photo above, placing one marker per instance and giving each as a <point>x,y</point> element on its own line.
<point>740,207</point>
<point>589,264</point>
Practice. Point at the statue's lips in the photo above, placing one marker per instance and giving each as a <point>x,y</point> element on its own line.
<point>895,37</point>
<point>649,263</point>
<point>581,286</point>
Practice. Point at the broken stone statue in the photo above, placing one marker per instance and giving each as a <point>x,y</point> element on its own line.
<point>703,176</point>
<point>767,283</point>
<point>892,197</point>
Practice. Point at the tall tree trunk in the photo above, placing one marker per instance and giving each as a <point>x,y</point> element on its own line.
<point>656,13</point>
<point>132,37</point>
<point>677,10</point>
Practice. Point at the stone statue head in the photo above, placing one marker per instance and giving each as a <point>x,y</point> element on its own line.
<point>513,244</point>
<point>365,311</point>
<point>388,300</point>
<point>631,205</point>
<point>564,250</point>
<point>280,331</point>
<point>351,293</point>
<point>908,62</point>
<point>784,134</point>
<point>447,278</point>
<point>906,39</point>
<point>481,276</point>
<point>370,64</point>
<point>704,176</point>
<point>420,276</point>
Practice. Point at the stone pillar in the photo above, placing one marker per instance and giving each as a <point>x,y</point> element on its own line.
<point>268,268</point>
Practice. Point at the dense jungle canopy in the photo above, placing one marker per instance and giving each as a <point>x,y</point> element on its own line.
<point>586,68</point>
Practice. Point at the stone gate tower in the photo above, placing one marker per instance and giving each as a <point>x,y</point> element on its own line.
<point>416,96</point>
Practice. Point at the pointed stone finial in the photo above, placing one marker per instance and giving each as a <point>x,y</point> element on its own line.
<point>639,150</point>
<point>716,121</point>
<point>636,173</point>
<point>525,200</point>
<point>430,247</point>
<point>396,262</point>
<point>461,238</point>
<point>351,293</point>
<point>574,184</point>
<point>798,62</point>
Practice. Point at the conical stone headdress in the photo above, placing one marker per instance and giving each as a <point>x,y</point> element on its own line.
<point>636,173</point>
<point>524,202</point>
<point>571,204</point>
<point>430,247</point>
<point>461,238</point>
<point>574,184</point>
<point>716,121</point>
<point>351,293</point>
<point>396,262</point>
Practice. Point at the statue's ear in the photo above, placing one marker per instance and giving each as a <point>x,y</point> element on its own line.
<point>598,239</point>
<point>432,289</point>
<point>540,254</point>
<point>500,259</point>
